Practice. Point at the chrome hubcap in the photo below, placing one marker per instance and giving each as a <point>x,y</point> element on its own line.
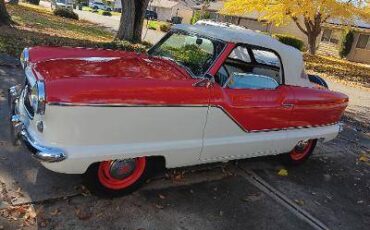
<point>302,145</point>
<point>121,169</point>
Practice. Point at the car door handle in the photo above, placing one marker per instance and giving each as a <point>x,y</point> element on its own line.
<point>287,105</point>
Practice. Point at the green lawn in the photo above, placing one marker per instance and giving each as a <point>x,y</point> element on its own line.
<point>38,26</point>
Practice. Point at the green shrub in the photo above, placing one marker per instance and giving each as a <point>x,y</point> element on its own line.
<point>346,44</point>
<point>65,13</point>
<point>106,13</point>
<point>122,45</point>
<point>290,41</point>
<point>152,25</point>
<point>165,27</point>
<point>198,16</point>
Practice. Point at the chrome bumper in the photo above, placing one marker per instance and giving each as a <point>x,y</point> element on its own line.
<point>19,132</point>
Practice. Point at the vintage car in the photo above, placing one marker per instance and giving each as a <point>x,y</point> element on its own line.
<point>204,93</point>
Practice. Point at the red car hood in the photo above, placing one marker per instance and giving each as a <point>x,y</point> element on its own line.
<point>131,66</point>
<point>101,79</point>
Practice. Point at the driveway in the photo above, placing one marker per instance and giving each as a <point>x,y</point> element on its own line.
<point>330,191</point>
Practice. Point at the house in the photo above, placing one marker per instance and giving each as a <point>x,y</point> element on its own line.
<point>328,41</point>
<point>331,36</point>
<point>250,21</point>
<point>166,9</point>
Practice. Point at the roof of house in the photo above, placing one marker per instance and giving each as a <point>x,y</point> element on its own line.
<point>218,5</point>
<point>213,6</point>
<point>163,3</point>
<point>291,58</point>
<point>355,23</point>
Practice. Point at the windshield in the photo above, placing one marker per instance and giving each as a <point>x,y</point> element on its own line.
<point>196,54</point>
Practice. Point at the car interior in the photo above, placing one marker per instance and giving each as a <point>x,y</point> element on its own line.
<point>261,66</point>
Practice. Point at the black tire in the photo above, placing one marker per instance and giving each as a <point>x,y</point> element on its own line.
<point>317,80</point>
<point>109,9</point>
<point>96,187</point>
<point>290,159</point>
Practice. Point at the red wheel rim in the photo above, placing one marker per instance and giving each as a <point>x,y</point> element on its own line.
<point>106,179</point>
<point>301,150</point>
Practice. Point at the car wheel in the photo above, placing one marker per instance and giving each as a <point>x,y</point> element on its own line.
<point>95,7</point>
<point>109,9</point>
<point>117,177</point>
<point>301,152</point>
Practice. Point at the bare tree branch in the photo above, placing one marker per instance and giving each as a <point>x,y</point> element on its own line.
<point>300,27</point>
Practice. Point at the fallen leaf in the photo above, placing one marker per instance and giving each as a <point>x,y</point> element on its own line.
<point>30,213</point>
<point>363,158</point>
<point>159,206</point>
<point>178,177</point>
<point>55,212</point>
<point>162,196</point>
<point>283,172</point>
<point>299,202</point>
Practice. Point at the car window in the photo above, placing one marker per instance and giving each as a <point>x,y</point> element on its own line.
<point>244,60</point>
<point>266,57</point>
<point>194,53</point>
<point>240,53</point>
<point>251,81</point>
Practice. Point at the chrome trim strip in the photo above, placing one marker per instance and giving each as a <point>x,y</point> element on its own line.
<point>25,57</point>
<point>186,105</point>
<point>123,105</point>
<point>41,97</point>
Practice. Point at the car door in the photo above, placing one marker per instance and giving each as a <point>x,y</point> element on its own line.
<point>248,98</point>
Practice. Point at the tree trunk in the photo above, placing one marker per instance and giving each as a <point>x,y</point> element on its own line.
<point>4,16</point>
<point>139,18</point>
<point>132,20</point>
<point>312,43</point>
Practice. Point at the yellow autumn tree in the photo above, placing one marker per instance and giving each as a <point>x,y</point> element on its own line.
<point>308,15</point>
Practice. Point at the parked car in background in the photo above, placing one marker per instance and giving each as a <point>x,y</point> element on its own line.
<point>204,93</point>
<point>151,15</point>
<point>67,4</point>
<point>100,6</point>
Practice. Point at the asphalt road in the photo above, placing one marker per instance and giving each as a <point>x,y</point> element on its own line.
<point>331,190</point>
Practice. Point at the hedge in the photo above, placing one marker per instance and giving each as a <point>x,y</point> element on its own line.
<point>290,40</point>
<point>65,13</point>
<point>346,44</point>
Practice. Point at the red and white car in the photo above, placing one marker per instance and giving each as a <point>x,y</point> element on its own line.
<point>204,93</point>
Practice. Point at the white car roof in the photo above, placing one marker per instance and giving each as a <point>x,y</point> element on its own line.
<point>291,58</point>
